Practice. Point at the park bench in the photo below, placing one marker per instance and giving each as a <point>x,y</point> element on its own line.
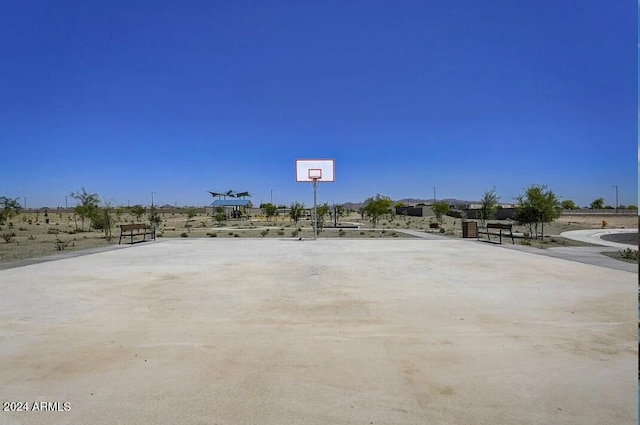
<point>497,229</point>
<point>133,230</point>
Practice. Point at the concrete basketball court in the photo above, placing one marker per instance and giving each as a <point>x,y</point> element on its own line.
<point>333,331</point>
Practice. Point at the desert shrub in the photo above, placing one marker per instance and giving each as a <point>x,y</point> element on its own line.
<point>236,235</point>
<point>294,233</point>
<point>8,236</point>
<point>160,235</point>
<point>604,223</point>
<point>31,238</point>
<point>280,232</point>
<point>264,233</point>
<point>442,230</point>
<point>341,232</point>
<point>383,231</point>
<point>184,235</point>
<point>22,228</point>
<point>362,233</point>
<point>230,233</point>
<point>629,254</point>
<point>213,235</point>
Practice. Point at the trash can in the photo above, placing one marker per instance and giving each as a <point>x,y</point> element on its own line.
<point>469,229</point>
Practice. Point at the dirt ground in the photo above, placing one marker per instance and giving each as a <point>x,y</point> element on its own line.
<point>27,235</point>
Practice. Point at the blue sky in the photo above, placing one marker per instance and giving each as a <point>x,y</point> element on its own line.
<point>178,98</point>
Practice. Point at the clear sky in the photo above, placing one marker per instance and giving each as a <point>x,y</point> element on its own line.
<point>126,98</point>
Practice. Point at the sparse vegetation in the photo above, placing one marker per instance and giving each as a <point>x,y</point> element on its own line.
<point>376,208</point>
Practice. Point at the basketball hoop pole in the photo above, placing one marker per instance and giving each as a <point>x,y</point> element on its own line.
<point>315,209</point>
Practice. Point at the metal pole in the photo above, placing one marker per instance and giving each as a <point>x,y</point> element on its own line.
<point>152,199</point>
<point>315,211</point>
<point>434,195</point>
<point>271,196</point>
<point>616,186</point>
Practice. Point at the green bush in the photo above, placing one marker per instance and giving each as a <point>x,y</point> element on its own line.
<point>184,235</point>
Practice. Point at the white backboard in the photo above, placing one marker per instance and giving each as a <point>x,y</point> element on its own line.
<point>320,169</point>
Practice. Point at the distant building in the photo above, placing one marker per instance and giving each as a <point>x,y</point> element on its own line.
<point>420,210</point>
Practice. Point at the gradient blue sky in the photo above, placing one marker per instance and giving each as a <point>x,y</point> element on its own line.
<point>126,98</point>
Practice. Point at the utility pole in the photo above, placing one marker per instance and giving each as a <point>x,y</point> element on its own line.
<point>434,195</point>
<point>152,199</point>
<point>616,186</point>
<point>271,196</point>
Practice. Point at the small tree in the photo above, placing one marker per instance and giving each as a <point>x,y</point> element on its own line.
<point>376,207</point>
<point>338,212</point>
<point>538,205</point>
<point>488,206</point>
<point>269,210</point>
<point>440,208</point>
<point>568,204</point>
<point>154,217</point>
<point>220,215</point>
<point>88,204</point>
<point>138,211</point>
<point>8,208</point>
<point>103,219</point>
<point>295,211</point>
<point>323,212</point>
<point>597,204</point>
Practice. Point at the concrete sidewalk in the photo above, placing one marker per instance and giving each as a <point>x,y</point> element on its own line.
<point>593,236</point>
<point>405,331</point>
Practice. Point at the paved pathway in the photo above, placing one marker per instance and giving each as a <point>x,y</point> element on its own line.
<point>581,254</point>
<point>594,236</point>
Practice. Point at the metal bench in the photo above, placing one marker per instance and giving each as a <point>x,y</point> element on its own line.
<point>497,229</point>
<point>133,230</point>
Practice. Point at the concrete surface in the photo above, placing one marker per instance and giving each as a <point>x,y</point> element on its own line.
<point>263,331</point>
<point>594,236</point>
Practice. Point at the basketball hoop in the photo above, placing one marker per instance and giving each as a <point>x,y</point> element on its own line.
<point>315,171</point>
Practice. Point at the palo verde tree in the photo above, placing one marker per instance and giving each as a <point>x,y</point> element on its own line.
<point>269,209</point>
<point>103,218</point>
<point>8,208</point>
<point>87,204</point>
<point>538,205</point>
<point>295,212</point>
<point>138,211</point>
<point>376,207</point>
<point>440,208</point>
<point>488,206</point>
<point>323,213</point>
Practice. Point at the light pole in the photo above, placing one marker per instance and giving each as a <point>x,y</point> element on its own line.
<point>616,186</point>
<point>434,195</point>
<point>271,196</point>
<point>152,199</point>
